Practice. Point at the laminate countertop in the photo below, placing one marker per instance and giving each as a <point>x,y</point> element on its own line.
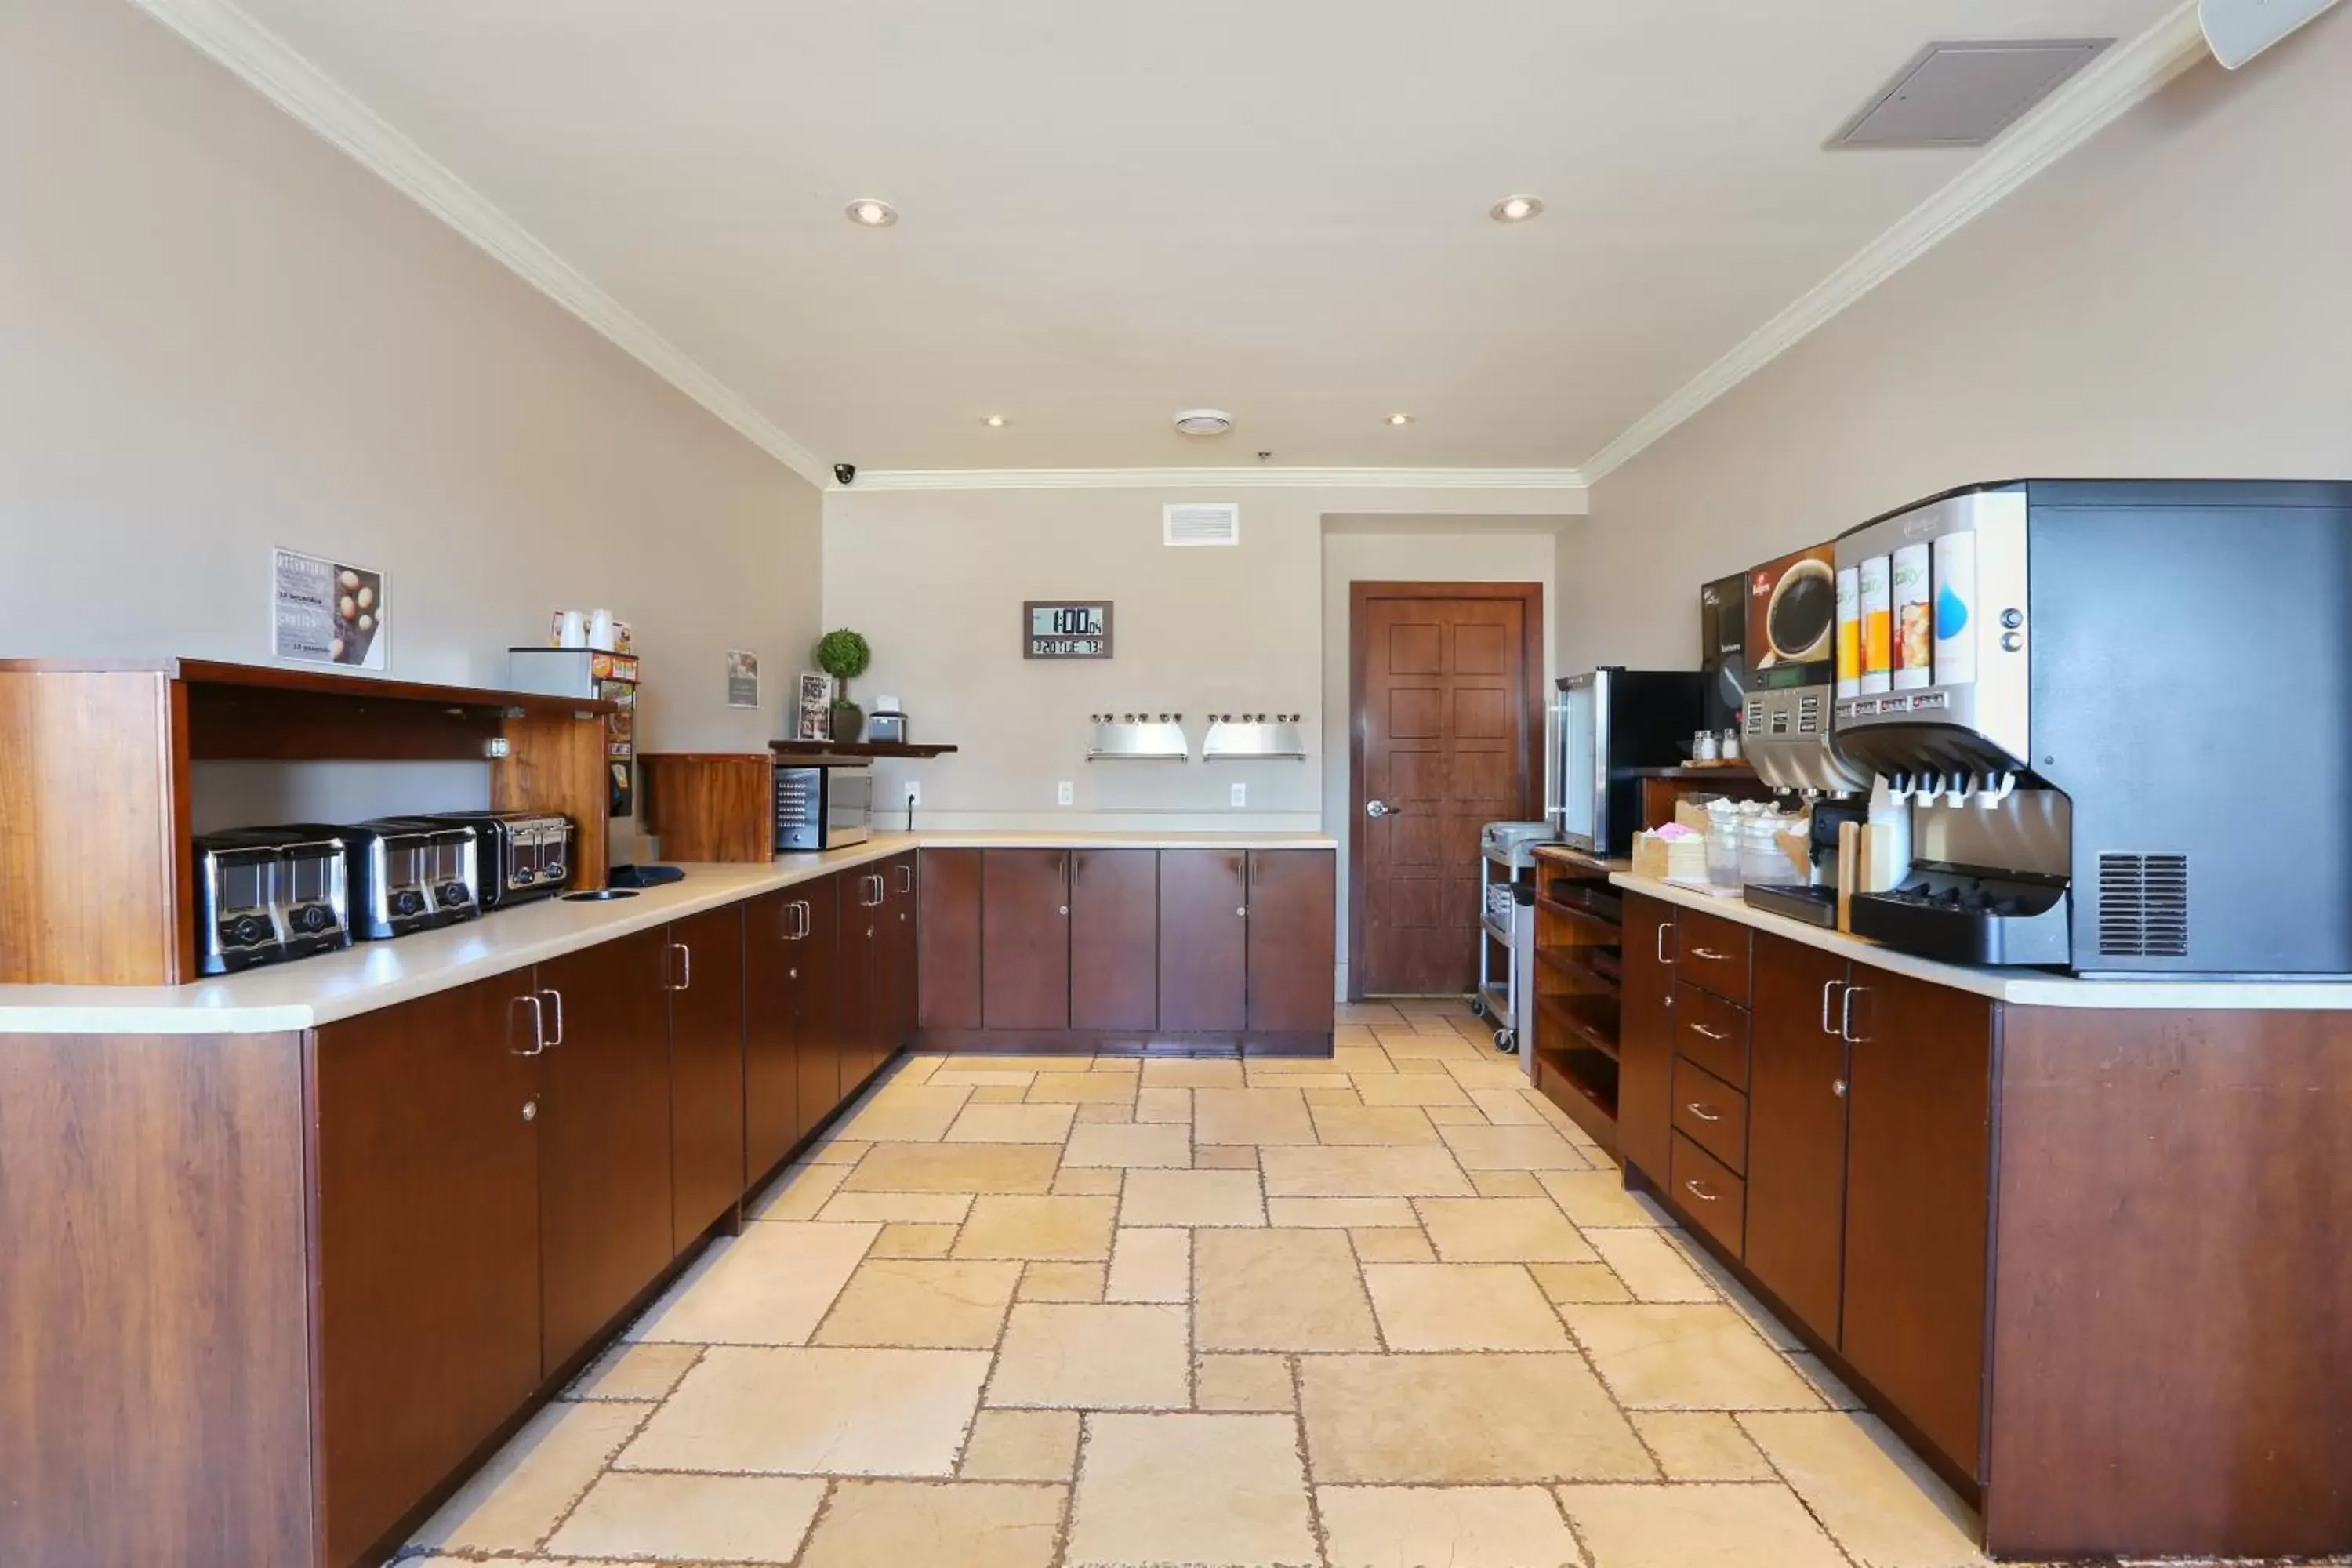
<point>2020,987</point>
<point>309,991</point>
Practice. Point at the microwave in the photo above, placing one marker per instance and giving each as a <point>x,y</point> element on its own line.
<point>823,803</point>
<point>1607,725</point>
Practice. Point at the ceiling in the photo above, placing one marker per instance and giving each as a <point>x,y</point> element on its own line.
<point>1113,210</point>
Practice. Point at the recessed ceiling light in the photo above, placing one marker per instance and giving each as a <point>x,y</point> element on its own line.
<point>996,422</point>
<point>1515,209</point>
<point>871,213</point>
<point>1204,422</point>
<point>1399,418</point>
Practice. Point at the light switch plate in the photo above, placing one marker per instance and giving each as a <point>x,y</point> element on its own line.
<point>1241,795</point>
<point>1066,794</point>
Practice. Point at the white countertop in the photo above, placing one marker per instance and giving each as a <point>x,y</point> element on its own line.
<point>2020,987</point>
<point>371,975</point>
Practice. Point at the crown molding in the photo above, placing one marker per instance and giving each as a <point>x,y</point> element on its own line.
<point>267,64</point>
<point>2103,90</point>
<point>1565,479</point>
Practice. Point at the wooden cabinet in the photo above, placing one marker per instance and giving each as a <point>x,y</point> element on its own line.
<point>772,1034</point>
<point>855,975</point>
<point>1918,1208</point>
<point>897,957</point>
<point>603,1135</point>
<point>1711,953</point>
<point>1711,1032</point>
<point>950,922</point>
<point>706,1063</point>
<point>1710,1191</point>
<point>815,989</point>
<point>1025,936</point>
<point>1292,927</point>
<point>428,1201</point>
<point>1645,1038</point>
<point>1203,940</point>
<point>1113,939</point>
<point>1797,1129</point>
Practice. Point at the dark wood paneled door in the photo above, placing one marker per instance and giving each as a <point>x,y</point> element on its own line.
<point>1292,925</point>
<point>771,1036</point>
<point>1645,1038</point>
<point>1113,939</point>
<point>1919,1202</point>
<point>1203,940</point>
<point>428,1246</point>
<point>1448,736</point>
<point>1796,1128</point>
<point>706,1060</point>
<point>818,988</point>
<point>603,1136</point>
<point>1026,935</point>
<point>950,922</point>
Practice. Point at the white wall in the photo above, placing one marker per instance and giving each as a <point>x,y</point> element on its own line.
<point>218,335</point>
<point>2172,299</point>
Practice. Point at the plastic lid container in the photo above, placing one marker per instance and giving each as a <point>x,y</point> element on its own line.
<point>1761,858</point>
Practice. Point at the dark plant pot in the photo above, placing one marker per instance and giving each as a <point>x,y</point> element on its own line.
<point>849,722</point>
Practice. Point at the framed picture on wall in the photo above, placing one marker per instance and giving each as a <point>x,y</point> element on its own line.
<point>812,719</point>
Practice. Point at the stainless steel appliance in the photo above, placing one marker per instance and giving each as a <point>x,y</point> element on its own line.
<point>405,874</point>
<point>2084,688</point>
<point>887,725</point>
<point>823,803</point>
<point>1792,610</point>
<point>522,855</point>
<point>1723,649</point>
<point>1606,724</point>
<point>267,895</point>
<point>1508,886</point>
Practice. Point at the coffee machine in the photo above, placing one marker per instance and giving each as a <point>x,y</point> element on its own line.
<point>2084,689</point>
<point>1785,718</point>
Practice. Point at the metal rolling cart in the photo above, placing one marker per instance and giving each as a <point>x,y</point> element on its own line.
<point>1506,896</point>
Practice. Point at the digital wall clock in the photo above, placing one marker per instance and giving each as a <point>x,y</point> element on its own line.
<point>1059,630</point>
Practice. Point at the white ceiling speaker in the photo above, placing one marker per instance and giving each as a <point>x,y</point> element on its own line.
<point>2239,29</point>
<point>1204,422</point>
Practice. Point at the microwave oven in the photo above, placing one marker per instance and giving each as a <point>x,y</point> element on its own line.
<point>1607,725</point>
<point>823,803</point>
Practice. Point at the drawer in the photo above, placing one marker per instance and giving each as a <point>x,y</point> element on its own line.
<point>1712,1032</point>
<point>1709,1195</point>
<point>1711,1114</point>
<point>1712,952</point>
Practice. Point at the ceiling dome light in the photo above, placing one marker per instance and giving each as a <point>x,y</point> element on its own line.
<point>1399,419</point>
<point>872,214</point>
<point>1515,209</point>
<point>996,422</point>
<point>1204,422</point>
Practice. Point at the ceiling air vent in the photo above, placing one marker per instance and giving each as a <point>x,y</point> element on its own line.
<point>2143,906</point>
<point>1965,94</point>
<point>1217,522</point>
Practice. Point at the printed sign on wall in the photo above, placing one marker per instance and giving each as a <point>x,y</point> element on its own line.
<point>324,612</point>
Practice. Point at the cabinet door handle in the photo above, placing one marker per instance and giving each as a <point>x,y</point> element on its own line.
<point>1664,927</point>
<point>808,922</point>
<point>1828,986</point>
<point>1711,1034</point>
<point>556,997</point>
<point>1846,1014</point>
<point>685,966</point>
<point>1709,954</point>
<point>1698,1191</point>
<point>906,877</point>
<point>538,1024</point>
<point>1701,1112</point>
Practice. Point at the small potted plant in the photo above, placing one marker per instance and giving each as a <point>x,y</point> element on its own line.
<point>844,655</point>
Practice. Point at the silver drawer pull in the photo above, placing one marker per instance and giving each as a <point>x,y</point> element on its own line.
<point>1828,986</point>
<point>1710,1034</point>
<point>538,1024</point>
<point>1710,954</point>
<point>1701,1112</point>
<point>1664,927</point>
<point>552,994</point>
<point>1698,1192</point>
<point>685,967</point>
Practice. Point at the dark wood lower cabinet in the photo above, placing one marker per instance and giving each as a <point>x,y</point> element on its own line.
<point>772,1034</point>
<point>1293,925</point>
<point>1203,939</point>
<point>1645,1038</point>
<point>1024,915</point>
<point>1113,939</point>
<point>603,1136</point>
<point>817,984</point>
<point>1797,1102</point>
<point>898,956</point>
<point>706,1045</point>
<point>950,939</point>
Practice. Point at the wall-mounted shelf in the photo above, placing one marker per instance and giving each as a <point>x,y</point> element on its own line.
<point>855,749</point>
<point>1244,738</point>
<point>95,757</point>
<point>1139,738</point>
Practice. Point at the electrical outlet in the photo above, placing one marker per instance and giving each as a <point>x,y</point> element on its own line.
<point>1241,795</point>
<point>1066,794</point>
<point>914,793</point>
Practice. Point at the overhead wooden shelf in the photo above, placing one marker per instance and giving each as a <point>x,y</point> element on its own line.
<point>854,749</point>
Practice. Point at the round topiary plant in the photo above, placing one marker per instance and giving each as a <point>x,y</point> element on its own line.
<point>844,655</point>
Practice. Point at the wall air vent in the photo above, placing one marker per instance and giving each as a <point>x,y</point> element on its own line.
<point>2143,906</point>
<point>1199,522</point>
<point>1965,94</point>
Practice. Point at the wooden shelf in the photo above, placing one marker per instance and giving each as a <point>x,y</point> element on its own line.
<point>1588,1021</point>
<point>1592,927</point>
<point>1577,965</point>
<point>1583,1085</point>
<point>1740,770</point>
<point>855,749</point>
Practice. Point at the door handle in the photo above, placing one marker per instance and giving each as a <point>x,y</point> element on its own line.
<point>1380,808</point>
<point>906,877</point>
<point>1701,1112</point>
<point>1846,1016</point>
<point>1664,927</point>
<point>538,1024</point>
<point>1828,986</point>
<point>551,992</point>
<point>1709,954</point>
<point>685,966</point>
<point>1711,1034</point>
<point>1698,1191</point>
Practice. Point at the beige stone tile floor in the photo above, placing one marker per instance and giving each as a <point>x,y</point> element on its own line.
<point>1379,1311</point>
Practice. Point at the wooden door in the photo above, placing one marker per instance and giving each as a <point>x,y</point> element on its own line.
<point>603,1136</point>
<point>1113,939</point>
<point>1796,1128</point>
<point>1293,918</point>
<point>706,1064</point>
<point>1918,1206</point>
<point>1026,939</point>
<point>856,997</point>
<point>901,945</point>
<point>771,1118</point>
<point>428,1246</point>
<point>1645,1038</point>
<point>812,972</point>
<point>950,925</point>
<point>1448,726</point>
<point>1203,940</point>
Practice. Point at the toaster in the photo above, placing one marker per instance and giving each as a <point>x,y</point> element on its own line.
<point>407,874</point>
<point>522,854</point>
<point>265,895</point>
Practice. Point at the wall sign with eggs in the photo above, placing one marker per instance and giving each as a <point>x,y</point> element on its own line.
<point>326,611</point>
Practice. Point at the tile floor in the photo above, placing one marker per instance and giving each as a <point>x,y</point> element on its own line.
<point>1384,1311</point>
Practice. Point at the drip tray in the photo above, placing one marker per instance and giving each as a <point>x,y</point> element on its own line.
<point>1814,906</point>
